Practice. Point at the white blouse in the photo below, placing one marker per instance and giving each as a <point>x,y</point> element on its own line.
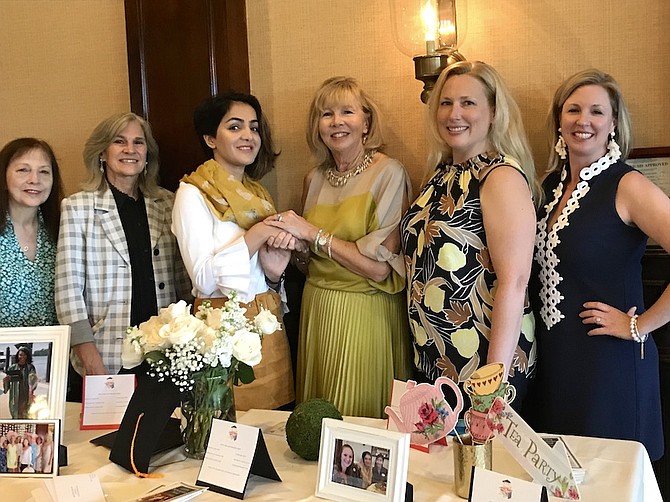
<point>215,253</point>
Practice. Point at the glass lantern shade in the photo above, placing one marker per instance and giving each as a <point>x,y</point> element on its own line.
<point>423,27</point>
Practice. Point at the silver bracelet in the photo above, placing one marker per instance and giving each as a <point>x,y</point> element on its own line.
<point>635,334</point>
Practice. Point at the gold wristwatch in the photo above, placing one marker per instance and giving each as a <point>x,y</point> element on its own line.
<point>321,240</point>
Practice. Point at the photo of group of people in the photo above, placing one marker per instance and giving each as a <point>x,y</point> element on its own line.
<point>26,448</point>
<point>24,370</point>
<point>361,466</point>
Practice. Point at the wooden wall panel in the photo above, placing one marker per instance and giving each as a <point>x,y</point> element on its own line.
<point>178,54</point>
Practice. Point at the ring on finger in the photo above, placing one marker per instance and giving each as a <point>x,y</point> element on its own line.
<point>598,320</point>
<point>279,218</point>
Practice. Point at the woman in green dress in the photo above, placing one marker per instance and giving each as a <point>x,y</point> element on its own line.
<point>354,336</point>
<point>20,383</point>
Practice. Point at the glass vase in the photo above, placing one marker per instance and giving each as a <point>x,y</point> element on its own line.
<point>211,397</point>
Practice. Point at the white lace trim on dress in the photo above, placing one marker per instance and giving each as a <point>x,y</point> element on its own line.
<point>546,241</point>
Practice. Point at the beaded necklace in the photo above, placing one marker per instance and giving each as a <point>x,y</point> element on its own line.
<point>339,180</point>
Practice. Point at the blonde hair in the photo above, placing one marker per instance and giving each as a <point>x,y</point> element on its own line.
<point>337,90</point>
<point>103,136</point>
<point>506,134</point>
<point>622,123</point>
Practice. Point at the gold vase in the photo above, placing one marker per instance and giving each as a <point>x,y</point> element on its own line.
<point>466,456</point>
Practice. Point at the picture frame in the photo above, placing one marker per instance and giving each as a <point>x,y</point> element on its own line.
<point>36,443</point>
<point>654,163</point>
<point>38,390</point>
<point>344,481</point>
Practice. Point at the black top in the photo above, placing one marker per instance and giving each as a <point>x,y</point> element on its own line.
<point>135,224</point>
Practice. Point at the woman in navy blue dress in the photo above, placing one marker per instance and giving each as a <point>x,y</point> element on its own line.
<point>597,367</point>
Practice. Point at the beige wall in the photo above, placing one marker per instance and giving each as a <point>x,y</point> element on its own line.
<point>295,44</point>
<point>63,68</point>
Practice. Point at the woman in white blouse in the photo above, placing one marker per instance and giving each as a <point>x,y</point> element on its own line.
<point>218,221</point>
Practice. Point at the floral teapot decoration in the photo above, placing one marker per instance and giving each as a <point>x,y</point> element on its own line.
<point>424,413</point>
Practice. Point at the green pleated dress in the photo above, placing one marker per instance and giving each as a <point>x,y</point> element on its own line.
<point>354,334</point>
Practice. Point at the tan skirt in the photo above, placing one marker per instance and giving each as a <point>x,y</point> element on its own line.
<point>273,386</point>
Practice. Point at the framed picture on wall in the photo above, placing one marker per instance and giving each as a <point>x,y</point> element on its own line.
<point>33,371</point>
<point>362,463</point>
<point>654,163</point>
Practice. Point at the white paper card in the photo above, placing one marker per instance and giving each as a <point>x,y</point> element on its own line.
<point>75,488</point>
<point>106,398</point>
<point>230,453</point>
<point>489,485</point>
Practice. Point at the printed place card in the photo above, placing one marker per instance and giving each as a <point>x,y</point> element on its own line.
<point>486,486</point>
<point>234,451</point>
<point>75,488</point>
<point>105,399</point>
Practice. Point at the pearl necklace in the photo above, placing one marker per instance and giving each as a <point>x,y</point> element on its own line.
<point>339,180</point>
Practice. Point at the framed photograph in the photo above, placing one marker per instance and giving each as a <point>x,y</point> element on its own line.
<point>29,448</point>
<point>654,163</point>
<point>358,463</point>
<point>33,370</point>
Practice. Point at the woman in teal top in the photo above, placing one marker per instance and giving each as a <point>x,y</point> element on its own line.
<point>29,219</point>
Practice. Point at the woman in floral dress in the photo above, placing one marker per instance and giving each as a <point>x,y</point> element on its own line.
<point>468,238</point>
<point>29,218</point>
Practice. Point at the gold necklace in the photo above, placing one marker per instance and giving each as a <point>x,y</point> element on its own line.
<point>339,180</point>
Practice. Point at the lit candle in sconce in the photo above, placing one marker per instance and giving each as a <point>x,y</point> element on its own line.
<point>429,18</point>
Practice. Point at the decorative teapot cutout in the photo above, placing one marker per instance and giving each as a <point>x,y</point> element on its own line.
<point>424,413</point>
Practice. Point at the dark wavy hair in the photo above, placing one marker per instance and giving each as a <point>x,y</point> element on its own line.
<point>51,207</point>
<point>27,352</point>
<point>208,115</point>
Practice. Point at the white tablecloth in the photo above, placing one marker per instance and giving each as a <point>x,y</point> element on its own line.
<point>615,470</point>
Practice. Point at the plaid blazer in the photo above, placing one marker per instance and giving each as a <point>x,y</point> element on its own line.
<point>93,275</point>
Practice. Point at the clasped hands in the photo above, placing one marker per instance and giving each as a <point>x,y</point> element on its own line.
<point>295,231</point>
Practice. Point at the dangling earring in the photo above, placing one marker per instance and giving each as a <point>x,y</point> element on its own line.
<point>365,138</point>
<point>102,164</point>
<point>560,147</point>
<point>145,168</point>
<point>613,148</point>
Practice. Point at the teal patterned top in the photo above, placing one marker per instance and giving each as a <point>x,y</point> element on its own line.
<point>27,287</point>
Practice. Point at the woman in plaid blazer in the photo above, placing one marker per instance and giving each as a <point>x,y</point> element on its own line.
<point>111,235</point>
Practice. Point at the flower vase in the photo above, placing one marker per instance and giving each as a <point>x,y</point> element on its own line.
<point>211,397</point>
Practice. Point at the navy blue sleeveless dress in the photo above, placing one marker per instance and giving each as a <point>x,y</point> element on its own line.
<point>591,385</point>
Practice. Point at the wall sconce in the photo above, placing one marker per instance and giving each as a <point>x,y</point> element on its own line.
<point>429,33</point>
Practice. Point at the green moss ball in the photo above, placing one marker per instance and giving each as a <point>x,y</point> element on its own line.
<point>303,428</point>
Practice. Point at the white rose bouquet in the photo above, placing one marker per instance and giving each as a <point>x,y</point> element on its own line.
<point>204,355</point>
<point>180,346</point>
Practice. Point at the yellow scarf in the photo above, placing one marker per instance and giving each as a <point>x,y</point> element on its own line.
<point>245,203</point>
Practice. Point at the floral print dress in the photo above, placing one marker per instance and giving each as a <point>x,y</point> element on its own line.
<point>451,280</point>
<point>27,286</point>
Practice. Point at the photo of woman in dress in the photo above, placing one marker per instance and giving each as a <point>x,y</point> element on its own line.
<point>19,383</point>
